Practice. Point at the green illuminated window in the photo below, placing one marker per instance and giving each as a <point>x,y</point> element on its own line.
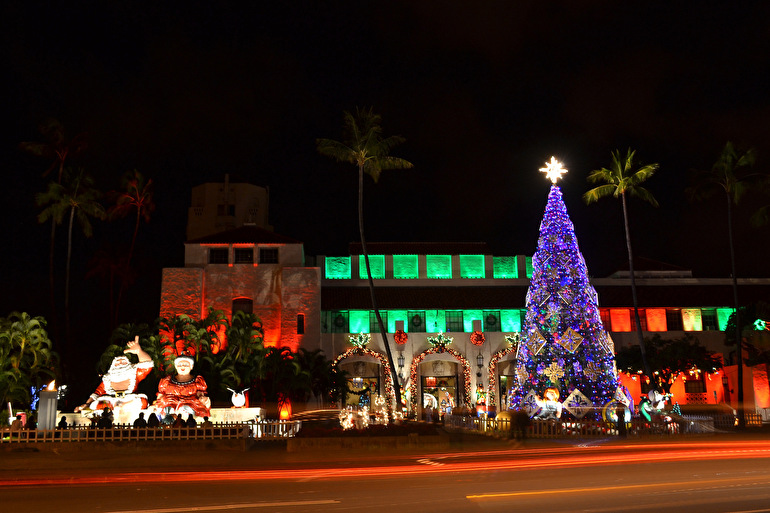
<point>435,321</point>
<point>510,320</point>
<point>374,326</point>
<point>439,266</point>
<point>529,267</point>
<point>338,322</point>
<point>405,267</point>
<point>491,320</point>
<point>472,266</point>
<point>723,315</point>
<point>396,315</point>
<point>504,267</point>
<point>338,268</point>
<point>417,321</point>
<point>376,264</point>
<point>359,321</point>
<point>469,316</point>
<point>454,320</point>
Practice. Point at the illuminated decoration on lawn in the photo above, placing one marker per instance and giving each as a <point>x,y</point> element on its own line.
<point>117,390</point>
<point>361,340</point>
<point>438,349</point>
<point>477,338</point>
<point>384,366</point>
<point>401,337</point>
<point>549,406</point>
<point>564,345</point>
<point>761,325</point>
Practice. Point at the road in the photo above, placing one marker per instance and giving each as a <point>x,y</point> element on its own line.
<point>705,476</point>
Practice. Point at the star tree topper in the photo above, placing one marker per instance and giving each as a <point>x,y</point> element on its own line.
<point>553,170</point>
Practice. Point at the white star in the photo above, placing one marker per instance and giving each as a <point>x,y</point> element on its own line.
<point>553,170</point>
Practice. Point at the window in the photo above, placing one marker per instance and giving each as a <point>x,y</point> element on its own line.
<point>674,319</point>
<point>268,255</point>
<point>376,264</point>
<point>339,322</point>
<point>243,304</point>
<point>604,313</point>
<point>694,385</point>
<point>374,327</point>
<point>709,319</point>
<point>504,267</point>
<point>300,324</point>
<point>454,320</point>
<point>337,268</point>
<point>218,256</point>
<point>439,266</point>
<point>491,320</point>
<point>416,322</point>
<point>642,319</point>
<point>244,255</point>
<point>405,267</point>
<point>472,266</point>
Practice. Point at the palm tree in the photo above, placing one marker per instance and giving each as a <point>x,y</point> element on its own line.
<point>27,357</point>
<point>620,179</point>
<point>136,196</point>
<point>364,146</point>
<point>79,199</point>
<point>57,149</point>
<point>730,175</point>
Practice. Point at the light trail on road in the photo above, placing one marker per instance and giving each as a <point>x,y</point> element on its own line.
<point>510,460</point>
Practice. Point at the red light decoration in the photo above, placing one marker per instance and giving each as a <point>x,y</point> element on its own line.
<point>477,338</point>
<point>401,337</point>
<point>435,350</point>
<point>390,393</point>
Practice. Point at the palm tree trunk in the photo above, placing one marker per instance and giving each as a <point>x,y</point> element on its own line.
<point>394,375</point>
<point>637,320</point>
<point>51,281</point>
<point>738,340</point>
<point>67,283</point>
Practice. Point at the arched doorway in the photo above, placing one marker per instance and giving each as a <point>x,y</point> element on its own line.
<point>449,382</point>
<point>365,384</point>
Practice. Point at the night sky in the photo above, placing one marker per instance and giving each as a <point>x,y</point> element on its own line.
<point>185,92</point>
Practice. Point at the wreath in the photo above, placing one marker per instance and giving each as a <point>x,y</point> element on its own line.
<point>401,337</point>
<point>477,338</point>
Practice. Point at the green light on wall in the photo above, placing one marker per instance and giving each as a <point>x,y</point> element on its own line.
<point>435,321</point>
<point>397,315</point>
<point>472,315</point>
<point>529,267</point>
<point>439,266</point>
<point>510,320</point>
<point>405,267</point>
<point>504,267</point>
<point>359,321</point>
<point>472,266</point>
<point>337,268</point>
<point>723,315</point>
<point>376,264</point>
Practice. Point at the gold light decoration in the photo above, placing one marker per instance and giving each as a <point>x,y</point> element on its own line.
<point>591,371</point>
<point>553,170</point>
<point>570,340</point>
<point>554,372</point>
<point>536,343</point>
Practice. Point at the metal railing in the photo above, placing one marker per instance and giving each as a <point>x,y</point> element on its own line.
<point>125,433</point>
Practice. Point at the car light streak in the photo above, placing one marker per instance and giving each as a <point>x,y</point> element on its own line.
<point>485,461</point>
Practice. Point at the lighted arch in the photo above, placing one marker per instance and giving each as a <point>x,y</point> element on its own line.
<point>491,391</point>
<point>437,350</point>
<point>362,351</point>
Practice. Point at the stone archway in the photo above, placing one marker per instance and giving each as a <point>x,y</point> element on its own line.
<point>384,366</point>
<point>439,350</point>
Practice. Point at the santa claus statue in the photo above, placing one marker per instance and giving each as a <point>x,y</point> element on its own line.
<point>117,390</point>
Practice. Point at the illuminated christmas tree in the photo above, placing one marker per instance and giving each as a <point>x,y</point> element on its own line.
<point>565,363</point>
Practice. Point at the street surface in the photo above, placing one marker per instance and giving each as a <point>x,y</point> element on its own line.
<point>710,474</point>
